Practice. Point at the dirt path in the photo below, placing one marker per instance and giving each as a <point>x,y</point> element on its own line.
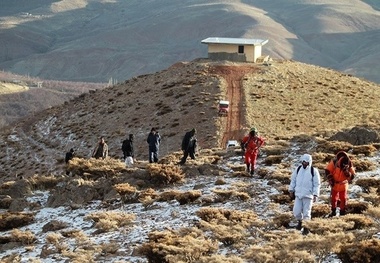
<point>235,95</point>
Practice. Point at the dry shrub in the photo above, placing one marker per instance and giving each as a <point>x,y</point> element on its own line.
<point>109,248</point>
<point>188,197</point>
<point>44,182</point>
<point>220,182</point>
<point>12,258</point>
<point>53,238</point>
<point>273,159</point>
<point>363,165</point>
<point>356,207</point>
<point>360,221</point>
<point>24,237</point>
<point>227,234</point>
<point>183,245</point>
<point>7,185</point>
<point>72,233</point>
<point>242,173</point>
<point>367,183</point>
<point>280,175</point>
<point>365,251</point>
<point>367,150</point>
<point>226,194</point>
<point>147,197</point>
<point>229,217</point>
<point>171,158</point>
<point>263,172</point>
<point>282,219</point>
<point>321,226</point>
<point>333,146</point>
<point>371,197</point>
<point>95,168</point>
<point>374,213</point>
<point>320,210</point>
<point>110,220</point>
<point>80,255</point>
<point>280,198</point>
<point>275,149</point>
<point>11,220</point>
<point>293,247</point>
<point>220,258</point>
<point>127,192</point>
<point>270,253</point>
<point>164,174</point>
<point>168,195</point>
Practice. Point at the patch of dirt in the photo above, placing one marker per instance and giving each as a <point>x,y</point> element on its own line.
<point>233,75</point>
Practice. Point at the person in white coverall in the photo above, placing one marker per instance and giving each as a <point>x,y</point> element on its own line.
<point>304,189</point>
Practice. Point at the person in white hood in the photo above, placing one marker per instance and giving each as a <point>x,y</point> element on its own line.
<point>304,189</point>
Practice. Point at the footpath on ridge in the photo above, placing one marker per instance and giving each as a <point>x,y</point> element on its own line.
<point>235,122</point>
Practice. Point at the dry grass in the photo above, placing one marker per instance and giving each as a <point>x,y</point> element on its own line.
<point>184,245</point>
<point>163,174</point>
<point>110,220</point>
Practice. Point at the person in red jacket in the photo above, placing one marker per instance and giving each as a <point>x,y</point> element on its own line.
<point>250,145</point>
<point>339,172</point>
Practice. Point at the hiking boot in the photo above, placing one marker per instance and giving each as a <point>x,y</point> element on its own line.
<point>299,225</point>
<point>305,231</point>
<point>333,212</point>
<point>252,172</point>
<point>342,212</point>
<point>248,168</point>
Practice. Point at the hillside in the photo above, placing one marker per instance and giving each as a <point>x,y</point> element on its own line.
<point>285,99</point>
<point>93,41</point>
<point>208,208</point>
<point>23,96</point>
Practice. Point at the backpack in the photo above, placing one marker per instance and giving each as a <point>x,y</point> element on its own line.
<point>312,170</point>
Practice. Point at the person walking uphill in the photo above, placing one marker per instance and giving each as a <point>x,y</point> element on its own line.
<point>189,145</point>
<point>101,149</point>
<point>304,188</point>
<point>153,140</point>
<point>339,172</point>
<point>250,145</point>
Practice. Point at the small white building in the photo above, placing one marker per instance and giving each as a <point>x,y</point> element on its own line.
<point>234,49</point>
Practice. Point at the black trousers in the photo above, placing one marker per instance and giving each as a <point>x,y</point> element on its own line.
<point>186,154</point>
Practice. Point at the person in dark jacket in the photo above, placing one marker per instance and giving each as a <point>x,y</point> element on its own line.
<point>153,140</point>
<point>127,147</point>
<point>189,145</point>
<point>69,155</point>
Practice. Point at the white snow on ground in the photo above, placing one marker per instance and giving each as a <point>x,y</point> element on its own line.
<point>159,216</point>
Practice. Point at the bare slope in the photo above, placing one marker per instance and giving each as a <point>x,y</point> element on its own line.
<point>22,96</point>
<point>96,40</point>
<point>285,99</point>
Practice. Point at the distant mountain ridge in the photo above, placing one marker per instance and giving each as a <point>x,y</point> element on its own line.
<point>98,40</point>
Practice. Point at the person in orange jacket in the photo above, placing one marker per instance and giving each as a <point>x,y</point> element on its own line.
<point>250,145</point>
<point>339,172</point>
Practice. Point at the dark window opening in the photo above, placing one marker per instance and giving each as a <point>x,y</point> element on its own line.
<point>241,49</point>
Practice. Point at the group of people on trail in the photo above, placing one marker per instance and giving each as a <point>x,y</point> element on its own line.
<point>189,145</point>
<point>305,184</point>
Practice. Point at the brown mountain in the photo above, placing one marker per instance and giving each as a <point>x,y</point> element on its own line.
<point>79,40</point>
<point>283,99</point>
<point>22,96</point>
